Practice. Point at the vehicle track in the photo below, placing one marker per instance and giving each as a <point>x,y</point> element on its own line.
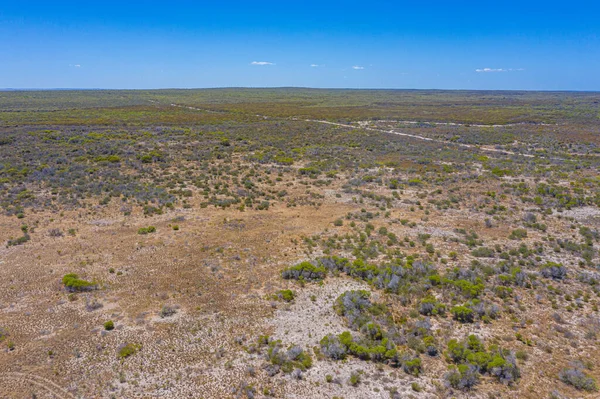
<point>43,383</point>
<point>413,136</point>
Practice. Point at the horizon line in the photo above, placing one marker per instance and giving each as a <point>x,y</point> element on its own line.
<point>10,89</point>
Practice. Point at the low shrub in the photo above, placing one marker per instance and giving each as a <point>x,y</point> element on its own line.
<point>575,377</point>
<point>431,307</point>
<point>463,376</point>
<point>285,295</point>
<point>294,358</point>
<point>167,311</point>
<point>555,271</point>
<point>128,350</point>
<point>147,230</point>
<point>18,241</point>
<point>463,314</point>
<point>518,234</point>
<point>483,252</point>
<point>73,283</point>
<point>471,358</point>
<point>305,271</point>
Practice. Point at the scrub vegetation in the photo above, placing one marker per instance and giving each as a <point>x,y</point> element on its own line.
<point>300,243</point>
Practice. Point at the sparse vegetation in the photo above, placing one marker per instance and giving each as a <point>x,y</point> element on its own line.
<point>383,259</point>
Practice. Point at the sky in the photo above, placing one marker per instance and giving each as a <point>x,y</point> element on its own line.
<point>487,45</point>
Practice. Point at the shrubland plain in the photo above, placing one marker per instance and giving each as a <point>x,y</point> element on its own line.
<point>298,243</point>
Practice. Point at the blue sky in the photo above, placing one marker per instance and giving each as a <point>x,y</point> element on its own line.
<point>530,45</point>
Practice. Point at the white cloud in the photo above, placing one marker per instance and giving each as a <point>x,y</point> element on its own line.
<point>499,70</point>
<point>314,65</point>
<point>490,70</point>
<point>75,66</point>
<point>261,63</point>
<point>358,67</point>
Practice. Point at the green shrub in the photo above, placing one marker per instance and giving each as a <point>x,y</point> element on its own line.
<point>147,230</point>
<point>518,234</point>
<point>467,288</point>
<point>463,314</point>
<point>108,158</point>
<point>73,283</point>
<point>18,241</point>
<point>264,205</point>
<point>304,271</point>
<point>472,357</point>
<point>128,350</point>
<point>109,325</point>
<point>412,366</point>
<point>430,249</point>
<point>483,252</point>
<point>522,355</point>
<point>354,379</point>
<point>3,334</point>
<point>285,295</point>
<point>430,306</point>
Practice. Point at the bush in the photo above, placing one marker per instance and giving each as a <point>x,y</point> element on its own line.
<point>73,283</point>
<point>3,334</point>
<point>463,314</point>
<point>467,288</point>
<point>522,355</point>
<point>55,233</point>
<point>412,366</point>
<point>167,311</point>
<point>575,377</point>
<point>18,241</point>
<point>305,271</point>
<point>463,376</point>
<point>472,357</point>
<point>147,230</point>
<point>285,360</point>
<point>333,348</point>
<point>109,325</point>
<point>483,252</point>
<point>504,368</point>
<point>263,206</point>
<point>518,234</point>
<point>355,306</point>
<point>555,271</point>
<point>285,295</point>
<point>128,350</point>
<point>354,379</point>
<point>430,306</point>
